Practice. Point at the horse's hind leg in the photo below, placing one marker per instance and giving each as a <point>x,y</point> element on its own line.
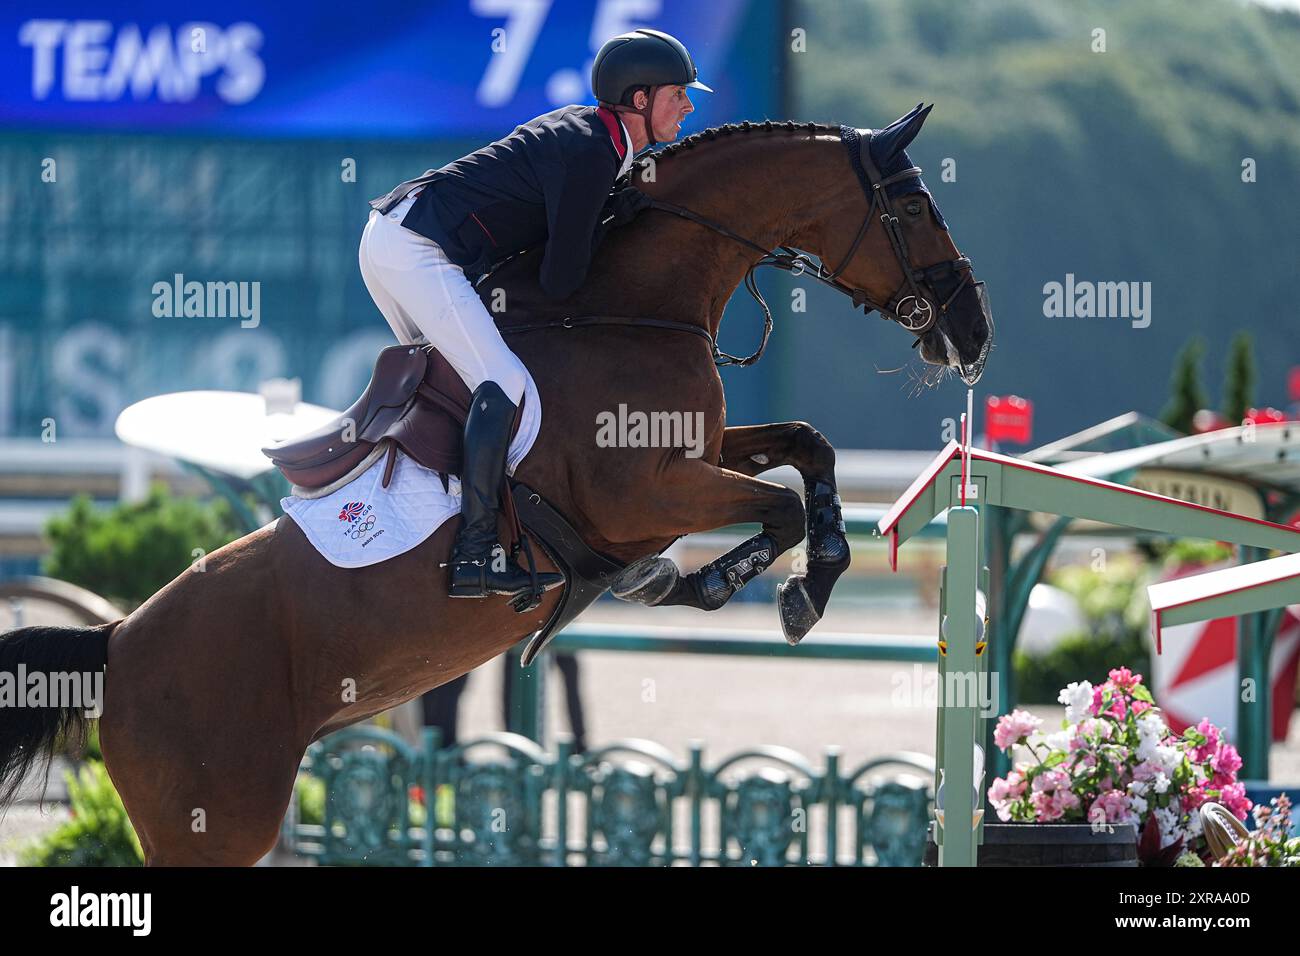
<point>185,818</point>
<point>203,760</point>
<point>696,496</point>
<point>753,449</point>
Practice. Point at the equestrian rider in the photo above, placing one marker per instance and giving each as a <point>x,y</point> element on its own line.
<point>549,181</point>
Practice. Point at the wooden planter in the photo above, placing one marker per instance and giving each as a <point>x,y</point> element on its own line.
<point>1050,844</point>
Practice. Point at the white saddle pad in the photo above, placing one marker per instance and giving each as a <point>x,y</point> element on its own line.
<point>364,523</point>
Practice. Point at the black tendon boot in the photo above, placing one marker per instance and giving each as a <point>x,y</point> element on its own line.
<point>475,570</point>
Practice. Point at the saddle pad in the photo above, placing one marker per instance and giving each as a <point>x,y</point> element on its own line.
<point>364,523</point>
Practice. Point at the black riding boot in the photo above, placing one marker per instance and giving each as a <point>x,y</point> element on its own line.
<point>487,440</point>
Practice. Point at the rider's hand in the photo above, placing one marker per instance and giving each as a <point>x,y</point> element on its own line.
<point>622,205</point>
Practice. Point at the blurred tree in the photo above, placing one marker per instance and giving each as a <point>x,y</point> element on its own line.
<point>1105,148</point>
<point>1239,386</point>
<point>129,552</point>
<point>1188,396</point>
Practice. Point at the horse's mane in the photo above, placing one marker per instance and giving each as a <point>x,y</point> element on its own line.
<point>729,129</point>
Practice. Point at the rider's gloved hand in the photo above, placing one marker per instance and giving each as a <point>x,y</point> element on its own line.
<point>622,206</point>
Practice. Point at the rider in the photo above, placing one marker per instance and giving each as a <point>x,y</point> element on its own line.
<point>549,181</point>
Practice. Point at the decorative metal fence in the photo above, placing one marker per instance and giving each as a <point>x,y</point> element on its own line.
<point>366,797</point>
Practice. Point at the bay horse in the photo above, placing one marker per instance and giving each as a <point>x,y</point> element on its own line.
<point>217,684</point>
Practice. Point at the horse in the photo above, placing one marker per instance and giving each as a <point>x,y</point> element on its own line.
<point>217,684</point>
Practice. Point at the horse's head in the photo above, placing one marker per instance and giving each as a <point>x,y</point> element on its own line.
<point>889,245</point>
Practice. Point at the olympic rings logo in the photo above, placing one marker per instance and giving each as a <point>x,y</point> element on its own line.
<point>362,527</point>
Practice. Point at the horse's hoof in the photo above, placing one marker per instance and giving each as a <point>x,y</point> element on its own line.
<point>647,581</point>
<point>798,615</point>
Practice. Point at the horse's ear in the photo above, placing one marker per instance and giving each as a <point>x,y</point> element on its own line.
<point>898,135</point>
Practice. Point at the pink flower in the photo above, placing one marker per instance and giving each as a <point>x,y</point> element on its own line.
<point>1004,790</point>
<point>1117,708</point>
<point>1206,751</point>
<point>1095,707</point>
<point>1234,798</point>
<point>1050,780</point>
<point>1139,707</point>
<point>1147,770</point>
<point>1125,679</point>
<point>1210,731</point>
<point>1065,800</point>
<point>1046,807</point>
<point>1014,728</point>
<point>1112,805</point>
<point>1220,780</point>
<point>1226,759</point>
<point>1053,804</point>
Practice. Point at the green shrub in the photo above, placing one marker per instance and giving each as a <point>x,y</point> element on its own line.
<point>1114,601</point>
<point>99,833</point>
<point>309,791</point>
<point>1112,598</point>
<point>130,551</point>
<point>1083,656</point>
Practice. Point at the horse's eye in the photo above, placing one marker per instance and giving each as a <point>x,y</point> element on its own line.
<point>914,207</point>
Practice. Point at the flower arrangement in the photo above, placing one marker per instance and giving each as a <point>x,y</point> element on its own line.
<point>1115,760</point>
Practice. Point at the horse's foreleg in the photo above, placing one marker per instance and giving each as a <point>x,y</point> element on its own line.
<point>696,496</point>
<point>753,449</point>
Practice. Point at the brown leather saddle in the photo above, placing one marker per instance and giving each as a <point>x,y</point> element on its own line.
<point>417,402</point>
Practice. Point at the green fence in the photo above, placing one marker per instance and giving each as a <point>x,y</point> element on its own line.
<point>365,797</point>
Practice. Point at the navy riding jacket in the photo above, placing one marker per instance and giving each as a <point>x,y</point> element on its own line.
<point>545,182</point>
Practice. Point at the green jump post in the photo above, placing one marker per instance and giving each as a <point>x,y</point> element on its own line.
<point>961,677</point>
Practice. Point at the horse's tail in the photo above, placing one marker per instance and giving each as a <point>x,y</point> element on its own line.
<point>36,665</point>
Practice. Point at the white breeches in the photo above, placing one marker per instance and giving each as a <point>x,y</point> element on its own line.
<point>426,298</point>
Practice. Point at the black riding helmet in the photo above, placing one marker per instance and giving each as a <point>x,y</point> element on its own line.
<point>641,58</point>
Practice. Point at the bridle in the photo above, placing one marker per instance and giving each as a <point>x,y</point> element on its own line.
<point>917,293</point>
<point>916,305</point>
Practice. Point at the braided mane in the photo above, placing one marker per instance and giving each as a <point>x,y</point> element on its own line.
<point>729,129</point>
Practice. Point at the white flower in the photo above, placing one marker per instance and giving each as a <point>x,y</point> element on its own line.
<point>1139,804</point>
<point>1138,787</point>
<point>1170,827</point>
<point>1059,740</point>
<point>1168,758</point>
<point>1161,785</point>
<point>1077,698</point>
<point>1149,725</point>
<point>1150,731</point>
